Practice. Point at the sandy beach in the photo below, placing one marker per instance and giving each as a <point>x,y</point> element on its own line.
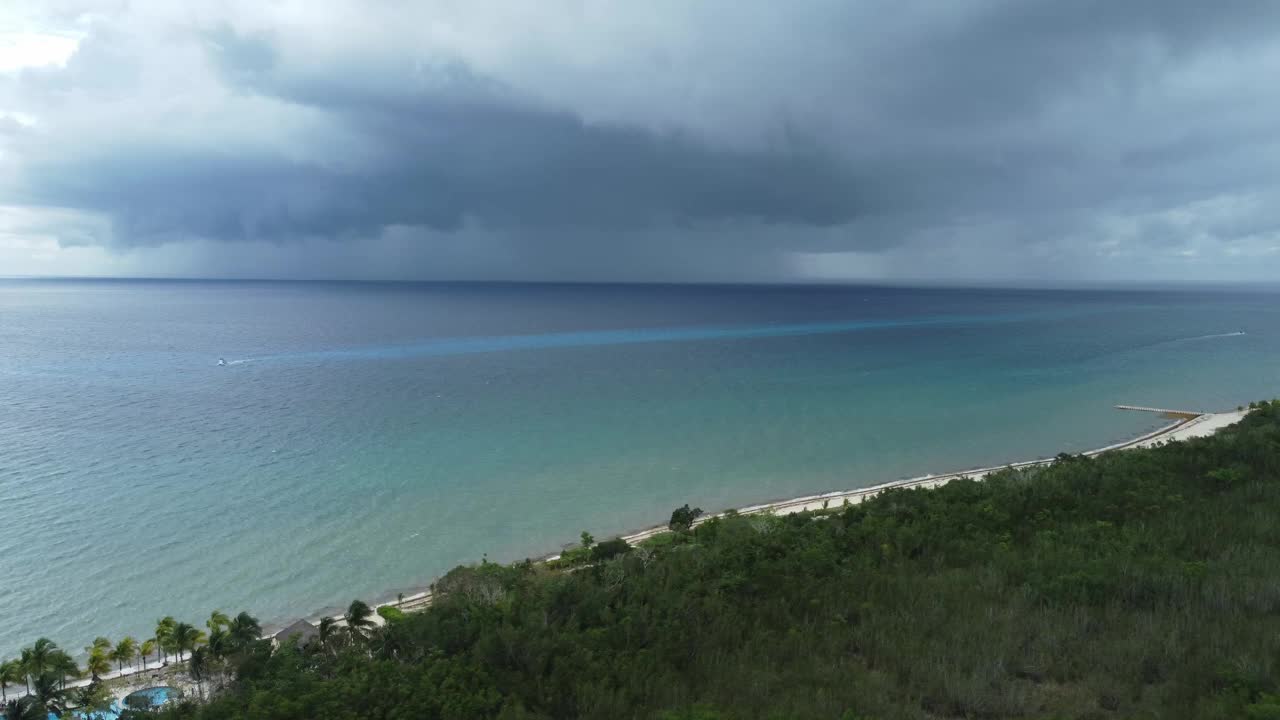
<point>1187,426</point>
<point>1200,425</point>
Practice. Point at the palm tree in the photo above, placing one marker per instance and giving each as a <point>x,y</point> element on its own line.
<point>99,655</point>
<point>219,643</point>
<point>94,701</point>
<point>326,629</point>
<point>124,652</point>
<point>148,647</point>
<point>25,708</point>
<point>101,644</point>
<point>99,662</point>
<point>44,689</point>
<point>186,637</point>
<point>327,634</point>
<point>10,673</point>
<point>199,666</point>
<point>164,635</point>
<point>215,652</point>
<point>358,618</point>
<point>219,647</point>
<point>64,665</point>
<point>244,630</point>
<point>24,662</point>
<point>217,619</point>
<point>36,659</point>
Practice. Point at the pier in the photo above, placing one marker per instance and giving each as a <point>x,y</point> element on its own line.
<point>1185,414</point>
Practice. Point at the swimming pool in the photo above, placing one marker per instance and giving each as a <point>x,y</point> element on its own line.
<point>151,697</point>
<point>113,713</point>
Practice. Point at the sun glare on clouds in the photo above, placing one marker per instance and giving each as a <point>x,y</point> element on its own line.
<point>35,49</point>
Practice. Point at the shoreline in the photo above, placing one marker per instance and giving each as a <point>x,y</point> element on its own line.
<point>1188,425</point>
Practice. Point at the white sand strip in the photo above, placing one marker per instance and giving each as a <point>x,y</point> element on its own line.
<point>1199,426</point>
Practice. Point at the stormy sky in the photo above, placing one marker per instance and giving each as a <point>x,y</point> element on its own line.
<point>1091,141</point>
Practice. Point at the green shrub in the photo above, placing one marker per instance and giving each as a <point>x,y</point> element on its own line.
<point>609,549</point>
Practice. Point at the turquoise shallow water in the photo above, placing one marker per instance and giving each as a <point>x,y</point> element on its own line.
<point>365,438</point>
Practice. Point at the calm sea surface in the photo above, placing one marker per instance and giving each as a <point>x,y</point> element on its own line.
<point>364,438</point>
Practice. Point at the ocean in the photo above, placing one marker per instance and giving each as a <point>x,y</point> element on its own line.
<point>365,438</point>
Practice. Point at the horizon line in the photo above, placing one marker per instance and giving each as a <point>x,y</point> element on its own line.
<point>904,283</point>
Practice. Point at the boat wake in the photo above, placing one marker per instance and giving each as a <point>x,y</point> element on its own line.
<point>1184,340</point>
<point>1210,337</point>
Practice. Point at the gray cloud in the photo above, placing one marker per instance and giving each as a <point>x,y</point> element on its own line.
<point>688,140</point>
<point>448,148</point>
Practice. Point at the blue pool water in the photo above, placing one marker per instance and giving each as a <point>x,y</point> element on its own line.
<point>112,714</point>
<point>154,697</point>
<point>150,697</point>
<point>142,699</point>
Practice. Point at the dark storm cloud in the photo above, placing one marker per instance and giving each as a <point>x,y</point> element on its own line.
<point>450,147</point>
<point>1015,105</point>
<point>690,135</point>
<point>1007,59</point>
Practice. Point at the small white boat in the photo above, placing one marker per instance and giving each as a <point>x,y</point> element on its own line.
<point>222,362</point>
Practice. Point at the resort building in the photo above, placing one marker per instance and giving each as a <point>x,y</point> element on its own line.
<point>305,631</point>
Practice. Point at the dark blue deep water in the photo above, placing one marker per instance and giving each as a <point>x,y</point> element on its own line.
<point>364,438</point>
